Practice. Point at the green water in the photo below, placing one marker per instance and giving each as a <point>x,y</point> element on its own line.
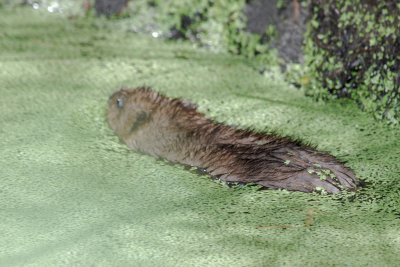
<point>72,195</point>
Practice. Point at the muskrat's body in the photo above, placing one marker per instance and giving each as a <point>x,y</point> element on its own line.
<point>174,130</point>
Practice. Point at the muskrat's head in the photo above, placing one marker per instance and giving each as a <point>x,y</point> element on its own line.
<point>130,109</point>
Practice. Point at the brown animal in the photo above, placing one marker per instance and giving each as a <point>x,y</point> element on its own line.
<point>174,130</point>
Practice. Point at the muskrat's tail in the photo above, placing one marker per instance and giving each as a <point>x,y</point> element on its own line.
<point>307,170</point>
<point>288,165</point>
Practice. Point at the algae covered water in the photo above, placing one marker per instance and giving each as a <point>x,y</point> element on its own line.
<point>73,195</point>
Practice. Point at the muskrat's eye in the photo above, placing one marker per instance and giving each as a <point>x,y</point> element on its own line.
<point>120,103</point>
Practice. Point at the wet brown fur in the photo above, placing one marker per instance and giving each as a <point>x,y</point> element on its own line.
<point>173,129</point>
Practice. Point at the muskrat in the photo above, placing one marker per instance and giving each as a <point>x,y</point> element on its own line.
<point>173,129</point>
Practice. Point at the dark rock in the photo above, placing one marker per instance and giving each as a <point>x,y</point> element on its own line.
<point>289,22</point>
<point>109,8</point>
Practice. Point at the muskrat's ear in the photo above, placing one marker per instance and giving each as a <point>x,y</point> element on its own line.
<point>141,118</point>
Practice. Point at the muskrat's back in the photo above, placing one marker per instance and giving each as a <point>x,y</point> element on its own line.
<point>173,129</point>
